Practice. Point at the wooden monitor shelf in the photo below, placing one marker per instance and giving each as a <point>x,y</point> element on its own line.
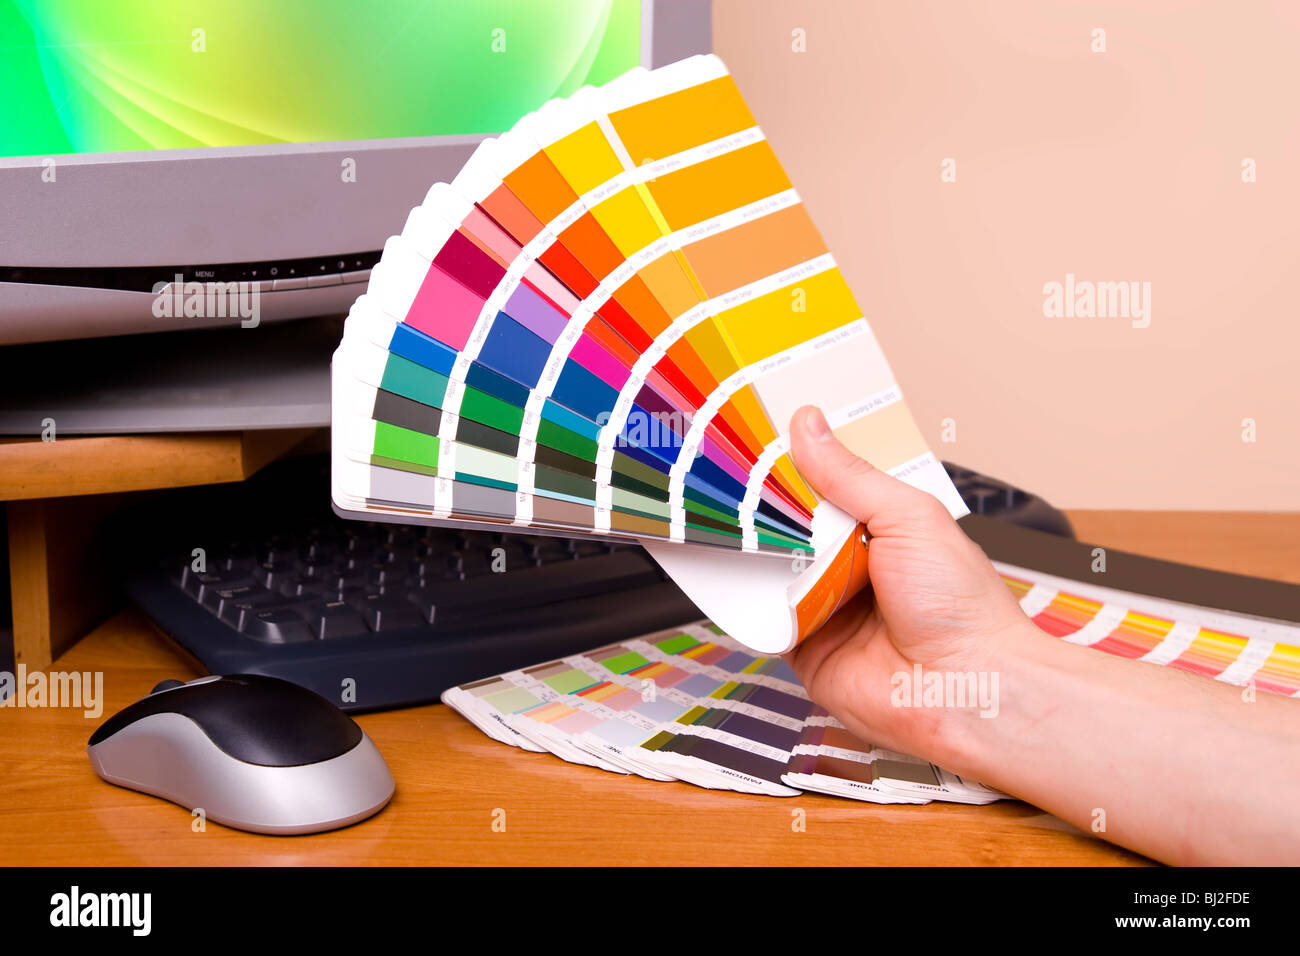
<point>57,492</point>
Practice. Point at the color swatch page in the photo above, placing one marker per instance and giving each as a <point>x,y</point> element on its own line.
<point>602,327</point>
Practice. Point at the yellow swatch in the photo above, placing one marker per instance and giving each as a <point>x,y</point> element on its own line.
<point>781,319</point>
<point>691,117</point>
<point>584,158</point>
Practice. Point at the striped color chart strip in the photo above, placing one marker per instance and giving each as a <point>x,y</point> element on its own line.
<point>1231,648</point>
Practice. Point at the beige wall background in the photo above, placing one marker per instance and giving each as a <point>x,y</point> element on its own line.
<point>1117,166</point>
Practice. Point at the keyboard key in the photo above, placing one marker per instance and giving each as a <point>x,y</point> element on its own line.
<point>388,613</point>
<point>359,546</point>
<point>240,607</point>
<point>308,587</point>
<point>330,620</point>
<point>277,626</point>
<point>276,551</point>
<point>271,575</point>
<point>386,575</point>
<point>216,599</point>
<point>198,585</point>
<point>354,562</point>
<point>354,596</point>
<point>318,553</point>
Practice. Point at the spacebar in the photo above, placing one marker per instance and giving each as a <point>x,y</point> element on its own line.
<point>489,594</point>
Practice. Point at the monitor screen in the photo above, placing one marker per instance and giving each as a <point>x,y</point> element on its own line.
<point>273,142</point>
<point>89,76</point>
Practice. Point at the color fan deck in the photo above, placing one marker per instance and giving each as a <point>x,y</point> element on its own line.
<point>604,325</point>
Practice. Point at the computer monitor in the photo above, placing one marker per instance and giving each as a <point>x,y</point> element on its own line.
<point>270,145</point>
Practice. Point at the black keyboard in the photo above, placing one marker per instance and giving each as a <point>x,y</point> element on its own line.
<point>262,578</point>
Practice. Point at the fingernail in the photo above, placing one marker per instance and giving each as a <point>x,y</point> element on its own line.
<point>816,424</point>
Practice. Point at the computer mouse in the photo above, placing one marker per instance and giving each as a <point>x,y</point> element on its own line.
<point>253,752</point>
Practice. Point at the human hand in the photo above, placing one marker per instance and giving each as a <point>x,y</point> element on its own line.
<point>1076,730</point>
<point>933,599</point>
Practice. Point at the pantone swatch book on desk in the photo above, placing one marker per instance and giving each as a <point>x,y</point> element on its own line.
<point>691,704</point>
<point>602,327</point>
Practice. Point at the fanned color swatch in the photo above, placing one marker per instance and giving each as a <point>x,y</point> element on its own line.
<point>690,704</point>
<point>603,326</point>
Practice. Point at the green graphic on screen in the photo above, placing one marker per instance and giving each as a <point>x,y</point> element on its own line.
<point>90,76</point>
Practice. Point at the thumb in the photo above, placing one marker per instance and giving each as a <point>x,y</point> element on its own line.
<point>880,501</point>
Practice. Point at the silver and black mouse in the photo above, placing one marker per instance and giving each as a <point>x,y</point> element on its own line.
<point>253,752</point>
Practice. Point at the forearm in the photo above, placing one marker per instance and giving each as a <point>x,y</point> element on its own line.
<point>1175,766</point>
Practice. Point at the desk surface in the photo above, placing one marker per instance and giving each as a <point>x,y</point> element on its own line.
<point>450,777</point>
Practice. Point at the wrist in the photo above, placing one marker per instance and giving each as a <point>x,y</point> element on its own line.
<point>1012,674</point>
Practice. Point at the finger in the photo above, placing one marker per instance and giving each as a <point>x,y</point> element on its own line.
<point>875,498</point>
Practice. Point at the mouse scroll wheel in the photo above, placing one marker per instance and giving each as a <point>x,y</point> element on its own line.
<point>167,685</point>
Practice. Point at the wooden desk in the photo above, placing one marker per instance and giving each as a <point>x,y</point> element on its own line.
<point>450,777</point>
